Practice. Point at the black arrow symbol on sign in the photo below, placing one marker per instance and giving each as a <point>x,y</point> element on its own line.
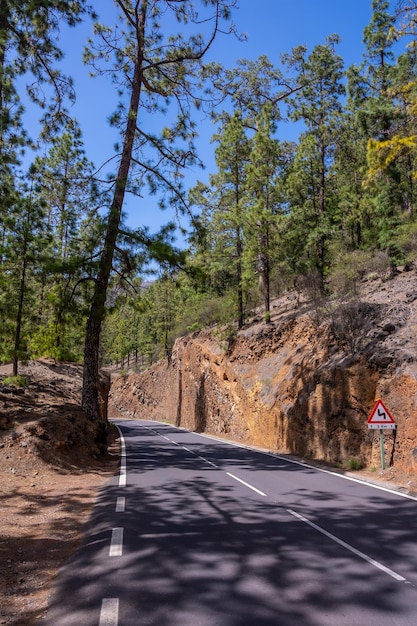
<point>382,414</point>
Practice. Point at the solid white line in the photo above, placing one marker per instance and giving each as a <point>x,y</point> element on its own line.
<point>109,614</point>
<point>123,472</point>
<point>307,465</point>
<point>116,544</point>
<point>351,478</point>
<point>120,504</point>
<point>246,484</point>
<point>358,553</point>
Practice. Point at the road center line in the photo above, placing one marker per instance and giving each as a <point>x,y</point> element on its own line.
<point>246,484</point>
<point>342,543</point>
<point>184,447</point>
<point>122,473</point>
<point>199,457</point>
<point>109,614</point>
<point>207,461</point>
<point>305,465</point>
<point>121,504</point>
<point>116,544</point>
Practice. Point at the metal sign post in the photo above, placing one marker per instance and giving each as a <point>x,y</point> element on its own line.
<point>381,445</point>
<point>381,419</point>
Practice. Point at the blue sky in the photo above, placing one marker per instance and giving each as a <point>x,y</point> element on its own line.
<point>272,27</point>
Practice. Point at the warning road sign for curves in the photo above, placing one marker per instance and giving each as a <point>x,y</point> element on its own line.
<point>380,417</point>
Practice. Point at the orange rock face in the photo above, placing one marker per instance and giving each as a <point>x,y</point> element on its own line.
<point>291,386</point>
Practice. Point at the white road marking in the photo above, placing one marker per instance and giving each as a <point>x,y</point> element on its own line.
<point>116,544</point>
<point>351,478</point>
<point>358,553</point>
<point>121,504</point>
<point>307,465</point>
<point>209,462</point>
<point>122,473</point>
<point>200,457</point>
<point>184,447</point>
<point>261,493</point>
<point>109,614</point>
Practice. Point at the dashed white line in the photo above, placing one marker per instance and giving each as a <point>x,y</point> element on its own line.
<point>120,504</point>
<point>303,464</point>
<point>200,457</point>
<point>261,493</point>
<point>116,544</point>
<point>342,543</point>
<point>109,614</point>
<point>123,472</point>
<point>209,462</point>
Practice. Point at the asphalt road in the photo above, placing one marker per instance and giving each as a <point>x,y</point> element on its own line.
<point>198,532</point>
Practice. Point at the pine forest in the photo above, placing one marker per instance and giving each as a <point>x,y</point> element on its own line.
<point>78,284</point>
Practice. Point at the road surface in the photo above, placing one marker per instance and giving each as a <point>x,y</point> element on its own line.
<point>194,531</point>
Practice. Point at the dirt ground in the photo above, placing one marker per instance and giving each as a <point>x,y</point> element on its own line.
<point>48,483</point>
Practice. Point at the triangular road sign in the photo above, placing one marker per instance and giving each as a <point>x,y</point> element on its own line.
<point>380,417</point>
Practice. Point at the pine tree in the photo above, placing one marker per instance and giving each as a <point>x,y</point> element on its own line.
<point>370,90</point>
<point>64,181</point>
<point>350,168</point>
<point>26,236</point>
<point>28,48</point>
<point>396,155</point>
<point>160,67</point>
<point>253,84</point>
<point>318,105</point>
<point>369,83</point>
<point>29,53</point>
<point>262,172</point>
<point>225,206</point>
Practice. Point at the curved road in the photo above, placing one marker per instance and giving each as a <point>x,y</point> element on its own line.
<point>199,532</point>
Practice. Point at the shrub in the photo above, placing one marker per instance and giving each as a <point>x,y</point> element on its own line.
<point>311,286</point>
<point>354,464</point>
<point>15,381</point>
<point>407,241</point>
<point>350,322</point>
<point>347,271</point>
<point>380,265</point>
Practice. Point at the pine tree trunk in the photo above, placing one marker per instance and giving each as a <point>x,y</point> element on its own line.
<point>90,400</point>
<point>239,248</point>
<point>4,24</point>
<point>19,315</point>
<point>267,291</point>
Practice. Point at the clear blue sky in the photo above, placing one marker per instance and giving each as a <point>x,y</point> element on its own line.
<point>272,27</point>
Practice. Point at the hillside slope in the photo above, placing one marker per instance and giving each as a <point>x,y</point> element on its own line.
<point>295,385</point>
<point>50,470</point>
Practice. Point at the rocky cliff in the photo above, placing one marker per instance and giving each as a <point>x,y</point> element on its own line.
<point>303,384</point>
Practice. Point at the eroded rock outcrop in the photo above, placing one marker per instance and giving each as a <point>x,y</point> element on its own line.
<point>289,386</point>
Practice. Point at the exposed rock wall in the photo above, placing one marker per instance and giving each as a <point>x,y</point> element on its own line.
<point>283,386</point>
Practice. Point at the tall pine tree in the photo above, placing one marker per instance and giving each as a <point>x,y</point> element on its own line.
<point>154,66</point>
<point>318,105</point>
